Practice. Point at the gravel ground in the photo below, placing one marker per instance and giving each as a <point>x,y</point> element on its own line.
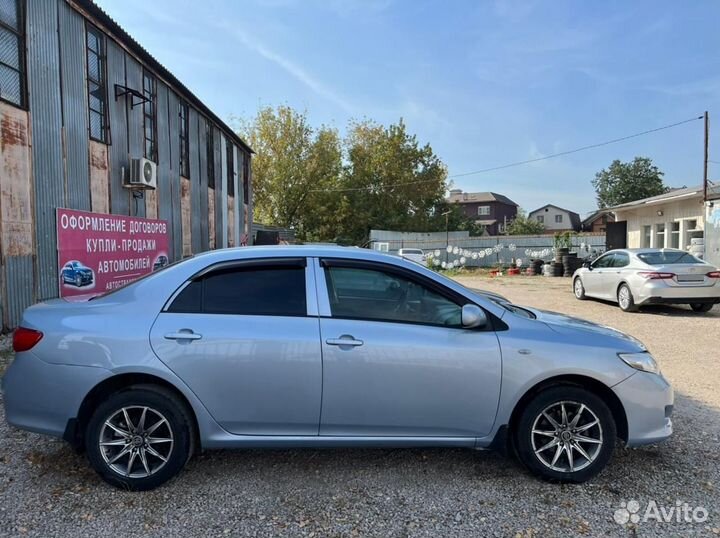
<point>48,490</point>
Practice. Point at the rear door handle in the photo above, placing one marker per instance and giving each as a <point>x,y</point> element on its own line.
<point>344,340</point>
<point>183,335</point>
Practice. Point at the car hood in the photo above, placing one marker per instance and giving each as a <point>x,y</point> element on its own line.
<point>564,324</point>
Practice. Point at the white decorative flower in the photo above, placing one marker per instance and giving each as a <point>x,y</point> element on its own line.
<point>449,248</point>
<point>474,255</point>
<point>437,253</point>
<point>481,254</point>
<point>444,265</point>
<point>488,251</point>
<point>455,250</point>
<point>512,247</point>
<point>463,259</point>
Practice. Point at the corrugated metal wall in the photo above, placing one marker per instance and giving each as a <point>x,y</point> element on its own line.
<point>74,110</point>
<point>43,65</point>
<point>60,169</point>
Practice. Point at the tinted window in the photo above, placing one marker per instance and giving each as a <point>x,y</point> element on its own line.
<point>667,257</point>
<point>259,291</point>
<point>377,295</point>
<point>604,261</point>
<point>620,259</point>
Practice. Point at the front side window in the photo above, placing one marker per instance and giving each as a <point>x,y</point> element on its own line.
<point>268,290</point>
<point>150,116</point>
<point>483,210</point>
<point>372,294</point>
<point>604,261</point>
<point>96,84</point>
<point>12,52</point>
<point>184,141</point>
<point>558,218</point>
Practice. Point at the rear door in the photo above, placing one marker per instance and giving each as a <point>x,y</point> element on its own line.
<point>245,338</point>
<point>396,361</point>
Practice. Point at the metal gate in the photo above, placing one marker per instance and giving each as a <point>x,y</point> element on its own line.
<point>616,235</point>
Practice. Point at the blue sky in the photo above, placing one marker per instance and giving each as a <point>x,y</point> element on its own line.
<point>486,83</point>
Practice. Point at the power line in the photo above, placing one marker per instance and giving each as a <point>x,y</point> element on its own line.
<point>517,163</point>
<point>576,150</point>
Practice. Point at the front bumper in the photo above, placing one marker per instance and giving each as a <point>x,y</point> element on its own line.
<point>42,397</point>
<point>648,402</point>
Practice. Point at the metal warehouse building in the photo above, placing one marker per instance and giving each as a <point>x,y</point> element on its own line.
<point>81,104</point>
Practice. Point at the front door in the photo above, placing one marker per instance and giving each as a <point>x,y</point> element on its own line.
<point>596,280</point>
<point>240,337</point>
<point>396,361</point>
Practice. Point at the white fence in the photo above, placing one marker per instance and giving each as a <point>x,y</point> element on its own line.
<point>459,248</point>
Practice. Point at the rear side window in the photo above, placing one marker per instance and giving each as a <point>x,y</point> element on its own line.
<point>621,259</point>
<point>251,291</point>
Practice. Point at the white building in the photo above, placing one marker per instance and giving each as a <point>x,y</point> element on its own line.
<point>670,220</point>
<point>556,219</point>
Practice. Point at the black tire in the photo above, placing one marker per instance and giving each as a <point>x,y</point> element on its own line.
<point>78,281</point>
<point>571,397</point>
<point>630,305</point>
<point>179,426</point>
<point>701,307</point>
<point>579,293</point>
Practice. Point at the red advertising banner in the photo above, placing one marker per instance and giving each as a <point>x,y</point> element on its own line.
<point>98,253</point>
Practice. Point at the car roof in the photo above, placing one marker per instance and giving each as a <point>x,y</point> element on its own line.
<point>315,251</point>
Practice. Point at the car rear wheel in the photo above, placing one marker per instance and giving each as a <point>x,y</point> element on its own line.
<point>139,438</point>
<point>701,307</point>
<point>579,289</point>
<point>78,281</point>
<point>625,299</point>
<point>565,434</point>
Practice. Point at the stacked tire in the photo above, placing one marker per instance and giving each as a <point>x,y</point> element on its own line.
<point>570,264</point>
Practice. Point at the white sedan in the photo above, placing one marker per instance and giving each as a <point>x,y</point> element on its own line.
<point>413,254</point>
<point>637,277</point>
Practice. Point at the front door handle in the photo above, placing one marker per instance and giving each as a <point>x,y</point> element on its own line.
<point>344,340</point>
<point>183,335</point>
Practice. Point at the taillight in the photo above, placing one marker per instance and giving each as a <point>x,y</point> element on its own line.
<point>25,339</point>
<point>713,274</point>
<point>654,275</point>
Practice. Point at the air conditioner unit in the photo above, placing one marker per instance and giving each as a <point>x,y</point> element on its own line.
<point>143,174</point>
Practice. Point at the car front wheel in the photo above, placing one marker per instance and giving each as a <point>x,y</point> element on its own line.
<point>579,289</point>
<point>701,307</point>
<point>139,438</point>
<point>565,434</point>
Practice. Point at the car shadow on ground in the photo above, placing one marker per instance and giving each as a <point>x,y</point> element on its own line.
<point>678,311</point>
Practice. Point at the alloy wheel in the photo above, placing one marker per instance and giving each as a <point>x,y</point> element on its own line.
<point>567,436</point>
<point>624,297</point>
<point>136,441</point>
<point>578,288</point>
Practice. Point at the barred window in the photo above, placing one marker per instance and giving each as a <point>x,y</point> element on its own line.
<point>96,84</point>
<point>150,116</point>
<point>184,141</point>
<point>12,52</point>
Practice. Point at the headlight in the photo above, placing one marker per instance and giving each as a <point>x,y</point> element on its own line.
<point>640,361</point>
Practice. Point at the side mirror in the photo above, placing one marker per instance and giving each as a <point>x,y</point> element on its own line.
<point>473,316</point>
<point>587,264</point>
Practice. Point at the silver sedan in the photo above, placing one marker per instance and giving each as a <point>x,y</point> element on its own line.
<point>325,347</point>
<point>637,277</point>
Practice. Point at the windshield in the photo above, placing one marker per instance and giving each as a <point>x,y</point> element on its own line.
<point>411,251</point>
<point>667,257</point>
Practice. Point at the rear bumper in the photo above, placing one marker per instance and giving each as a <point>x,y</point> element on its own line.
<point>658,292</point>
<point>648,401</point>
<point>41,397</point>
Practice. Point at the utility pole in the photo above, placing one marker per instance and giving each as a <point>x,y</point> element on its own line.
<point>447,235</point>
<point>705,164</point>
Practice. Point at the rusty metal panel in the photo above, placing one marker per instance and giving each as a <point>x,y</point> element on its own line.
<point>195,181</point>
<point>43,70</point>
<point>136,140</point>
<point>203,183</point>
<point>164,190</point>
<point>223,200</point>
<point>16,199</point>
<point>118,156</point>
<point>99,184</point>
<point>186,212</point>
<point>211,218</point>
<point>74,107</point>
<point>174,142</point>
<point>218,186</point>
<point>19,284</point>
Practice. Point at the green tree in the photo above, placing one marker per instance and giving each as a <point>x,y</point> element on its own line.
<point>626,182</point>
<point>390,182</point>
<point>294,169</point>
<point>522,225</point>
